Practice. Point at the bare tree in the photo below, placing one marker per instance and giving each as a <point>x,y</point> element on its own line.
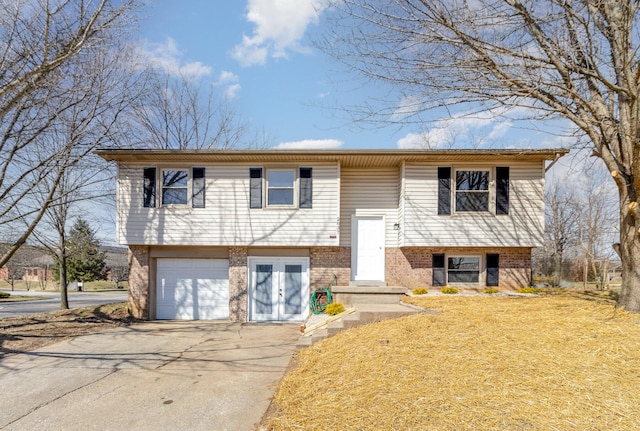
<point>179,112</point>
<point>576,60</point>
<point>597,227</point>
<point>43,48</point>
<point>87,179</point>
<point>561,228</point>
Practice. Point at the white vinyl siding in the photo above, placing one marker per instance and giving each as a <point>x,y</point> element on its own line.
<point>227,219</point>
<point>369,192</point>
<point>522,227</point>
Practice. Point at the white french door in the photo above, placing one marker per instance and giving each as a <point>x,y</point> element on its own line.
<point>279,289</point>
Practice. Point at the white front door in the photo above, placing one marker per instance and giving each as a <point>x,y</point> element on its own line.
<point>368,248</point>
<point>279,289</point>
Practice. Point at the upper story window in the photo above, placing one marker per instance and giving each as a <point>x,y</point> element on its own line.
<point>283,187</point>
<point>174,187</point>
<point>280,187</point>
<point>472,191</point>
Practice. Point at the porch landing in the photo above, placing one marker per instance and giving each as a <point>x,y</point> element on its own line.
<point>362,293</point>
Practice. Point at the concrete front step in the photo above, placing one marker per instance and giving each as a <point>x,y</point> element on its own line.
<point>367,283</point>
<point>368,294</point>
<point>365,313</point>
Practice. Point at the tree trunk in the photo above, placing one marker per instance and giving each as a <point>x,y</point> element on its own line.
<point>629,251</point>
<point>64,300</point>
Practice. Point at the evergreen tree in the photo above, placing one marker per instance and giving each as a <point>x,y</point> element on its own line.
<point>84,261</point>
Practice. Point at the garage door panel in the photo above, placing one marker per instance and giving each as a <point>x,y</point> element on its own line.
<point>189,289</point>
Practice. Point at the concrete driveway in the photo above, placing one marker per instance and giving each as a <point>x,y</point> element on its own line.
<point>151,376</point>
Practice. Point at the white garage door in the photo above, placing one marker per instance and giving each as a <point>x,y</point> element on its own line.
<point>192,289</point>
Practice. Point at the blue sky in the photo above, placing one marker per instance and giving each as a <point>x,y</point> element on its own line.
<point>259,54</point>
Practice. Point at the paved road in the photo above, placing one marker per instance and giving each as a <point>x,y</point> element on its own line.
<point>52,303</point>
<point>157,376</point>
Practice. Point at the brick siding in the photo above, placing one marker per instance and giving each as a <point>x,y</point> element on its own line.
<point>411,266</point>
<point>324,262</point>
<point>238,284</point>
<point>139,281</point>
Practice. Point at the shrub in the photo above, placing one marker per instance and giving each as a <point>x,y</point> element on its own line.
<point>334,308</point>
<point>449,290</point>
<point>491,290</point>
<point>420,291</point>
<point>530,290</point>
<point>4,295</point>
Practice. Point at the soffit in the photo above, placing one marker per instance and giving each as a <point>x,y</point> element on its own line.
<point>346,158</point>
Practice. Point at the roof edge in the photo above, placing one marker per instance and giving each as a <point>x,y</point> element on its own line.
<point>127,154</point>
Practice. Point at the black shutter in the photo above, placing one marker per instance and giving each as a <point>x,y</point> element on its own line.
<point>255,188</point>
<point>438,270</point>
<point>149,187</point>
<point>502,190</point>
<point>493,269</point>
<point>198,185</point>
<point>444,190</point>
<point>306,188</point>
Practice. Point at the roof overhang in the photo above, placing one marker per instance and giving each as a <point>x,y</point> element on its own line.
<point>347,158</point>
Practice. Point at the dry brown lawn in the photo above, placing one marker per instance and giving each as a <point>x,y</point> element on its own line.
<point>22,334</point>
<point>566,361</point>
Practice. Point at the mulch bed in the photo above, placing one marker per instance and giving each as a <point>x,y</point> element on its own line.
<point>563,361</point>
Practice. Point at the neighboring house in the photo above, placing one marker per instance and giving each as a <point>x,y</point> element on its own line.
<point>116,264</point>
<point>246,235</point>
<point>29,263</point>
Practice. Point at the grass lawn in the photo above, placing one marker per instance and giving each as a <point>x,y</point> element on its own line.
<point>564,361</point>
<point>26,333</point>
<point>52,285</point>
<point>19,298</point>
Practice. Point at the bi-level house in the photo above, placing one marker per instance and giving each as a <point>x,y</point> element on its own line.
<point>247,235</point>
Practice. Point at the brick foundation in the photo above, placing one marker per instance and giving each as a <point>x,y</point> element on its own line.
<point>139,292</point>
<point>238,284</point>
<point>324,262</point>
<point>408,267</point>
<point>411,266</point>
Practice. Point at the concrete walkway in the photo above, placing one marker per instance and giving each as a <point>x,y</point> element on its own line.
<point>152,376</point>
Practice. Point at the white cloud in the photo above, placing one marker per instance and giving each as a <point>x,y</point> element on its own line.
<point>230,82</point>
<point>310,144</point>
<point>280,25</point>
<point>168,57</point>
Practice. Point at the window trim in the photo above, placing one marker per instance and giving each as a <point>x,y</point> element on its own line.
<point>490,190</point>
<point>294,187</point>
<point>462,283</point>
<point>186,187</point>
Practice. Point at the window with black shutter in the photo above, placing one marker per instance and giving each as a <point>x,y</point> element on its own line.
<point>306,188</point>
<point>502,190</point>
<point>255,188</point>
<point>149,187</point>
<point>493,269</point>
<point>444,190</point>
<point>198,186</point>
<point>438,270</point>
